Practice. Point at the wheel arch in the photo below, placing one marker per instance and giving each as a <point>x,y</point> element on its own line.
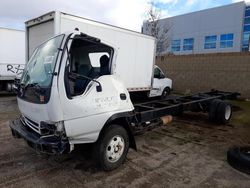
<point>123,119</point>
<point>167,87</point>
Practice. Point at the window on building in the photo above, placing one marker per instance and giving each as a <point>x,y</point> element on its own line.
<point>246,38</point>
<point>247,21</point>
<point>226,40</point>
<point>210,42</point>
<point>245,48</point>
<point>245,43</point>
<point>246,34</point>
<point>247,28</point>
<point>247,13</point>
<point>176,45</point>
<point>188,44</point>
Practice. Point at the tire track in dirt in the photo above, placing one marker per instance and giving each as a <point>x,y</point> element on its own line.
<point>24,176</point>
<point>34,166</point>
<point>14,157</point>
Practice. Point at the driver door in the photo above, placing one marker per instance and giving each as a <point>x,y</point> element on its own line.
<point>80,99</point>
<point>157,83</point>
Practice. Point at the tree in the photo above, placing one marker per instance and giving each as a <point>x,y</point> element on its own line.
<point>157,29</point>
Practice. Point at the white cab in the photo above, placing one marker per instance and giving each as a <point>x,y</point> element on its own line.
<point>161,84</point>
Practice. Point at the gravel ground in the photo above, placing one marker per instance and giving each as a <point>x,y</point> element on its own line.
<point>190,152</point>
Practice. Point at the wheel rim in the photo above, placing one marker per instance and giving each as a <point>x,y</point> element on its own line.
<point>228,112</point>
<point>165,93</point>
<point>115,149</point>
<point>245,151</point>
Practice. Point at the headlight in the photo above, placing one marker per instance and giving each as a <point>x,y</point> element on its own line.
<point>49,129</point>
<point>46,128</point>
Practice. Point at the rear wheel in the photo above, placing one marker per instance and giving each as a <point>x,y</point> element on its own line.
<point>165,93</point>
<point>213,109</point>
<point>2,86</point>
<point>220,111</point>
<point>224,113</point>
<point>112,147</point>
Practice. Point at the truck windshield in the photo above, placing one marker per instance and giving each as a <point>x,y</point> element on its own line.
<point>40,68</point>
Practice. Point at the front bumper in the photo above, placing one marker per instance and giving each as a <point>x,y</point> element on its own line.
<point>50,144</point>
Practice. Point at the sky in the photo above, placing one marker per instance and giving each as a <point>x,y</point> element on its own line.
<point>124,13</point>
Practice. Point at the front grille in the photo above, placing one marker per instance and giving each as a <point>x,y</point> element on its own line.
<point>31,124</point>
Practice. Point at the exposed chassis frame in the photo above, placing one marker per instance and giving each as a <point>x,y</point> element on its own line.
<point>149,111</point>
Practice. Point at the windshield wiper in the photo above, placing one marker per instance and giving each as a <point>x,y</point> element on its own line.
<point>22,87</point>
<point>31,85</point>
<point>37,88</point>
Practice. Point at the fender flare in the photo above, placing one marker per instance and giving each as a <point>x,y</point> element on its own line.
<point>123,119</point>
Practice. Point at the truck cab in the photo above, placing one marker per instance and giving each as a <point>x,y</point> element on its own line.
<point>72,93</point>
<point>162,85</point>
<point>69,94</point>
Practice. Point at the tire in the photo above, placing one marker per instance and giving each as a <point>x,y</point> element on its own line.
<point>112,147</point>
<point>2,86</point>
<point>165,93</point>
<point>224,113</point>
<point>213,109</point>
<point>239,158</point>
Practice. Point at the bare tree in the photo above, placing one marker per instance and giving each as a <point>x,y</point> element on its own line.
<point>157,29</point>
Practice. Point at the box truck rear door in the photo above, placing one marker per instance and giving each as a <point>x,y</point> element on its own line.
<point>38,34</point>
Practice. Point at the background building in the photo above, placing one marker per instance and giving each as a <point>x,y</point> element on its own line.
<point>221,29</point>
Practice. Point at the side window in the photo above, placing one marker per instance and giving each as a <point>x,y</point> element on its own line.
<point>88,61</point>
<point>80,63</point>
<point>95,58</point>
<point>157,73</point>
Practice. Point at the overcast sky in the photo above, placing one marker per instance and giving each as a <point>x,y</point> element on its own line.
<point>124,13</point>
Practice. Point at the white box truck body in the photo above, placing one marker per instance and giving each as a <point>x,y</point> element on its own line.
<point>136,51</point>
<point>12,56</point>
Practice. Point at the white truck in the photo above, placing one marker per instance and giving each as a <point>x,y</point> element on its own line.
<point>75,90</point>
<point>12,57</point>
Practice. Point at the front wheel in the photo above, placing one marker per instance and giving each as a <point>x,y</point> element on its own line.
<point>112,147</point>
<point>165,93</point>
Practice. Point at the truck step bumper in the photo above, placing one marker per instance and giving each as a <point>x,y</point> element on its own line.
<point>50,144</point>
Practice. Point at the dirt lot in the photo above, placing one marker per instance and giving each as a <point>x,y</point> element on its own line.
<point>190,152</point>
